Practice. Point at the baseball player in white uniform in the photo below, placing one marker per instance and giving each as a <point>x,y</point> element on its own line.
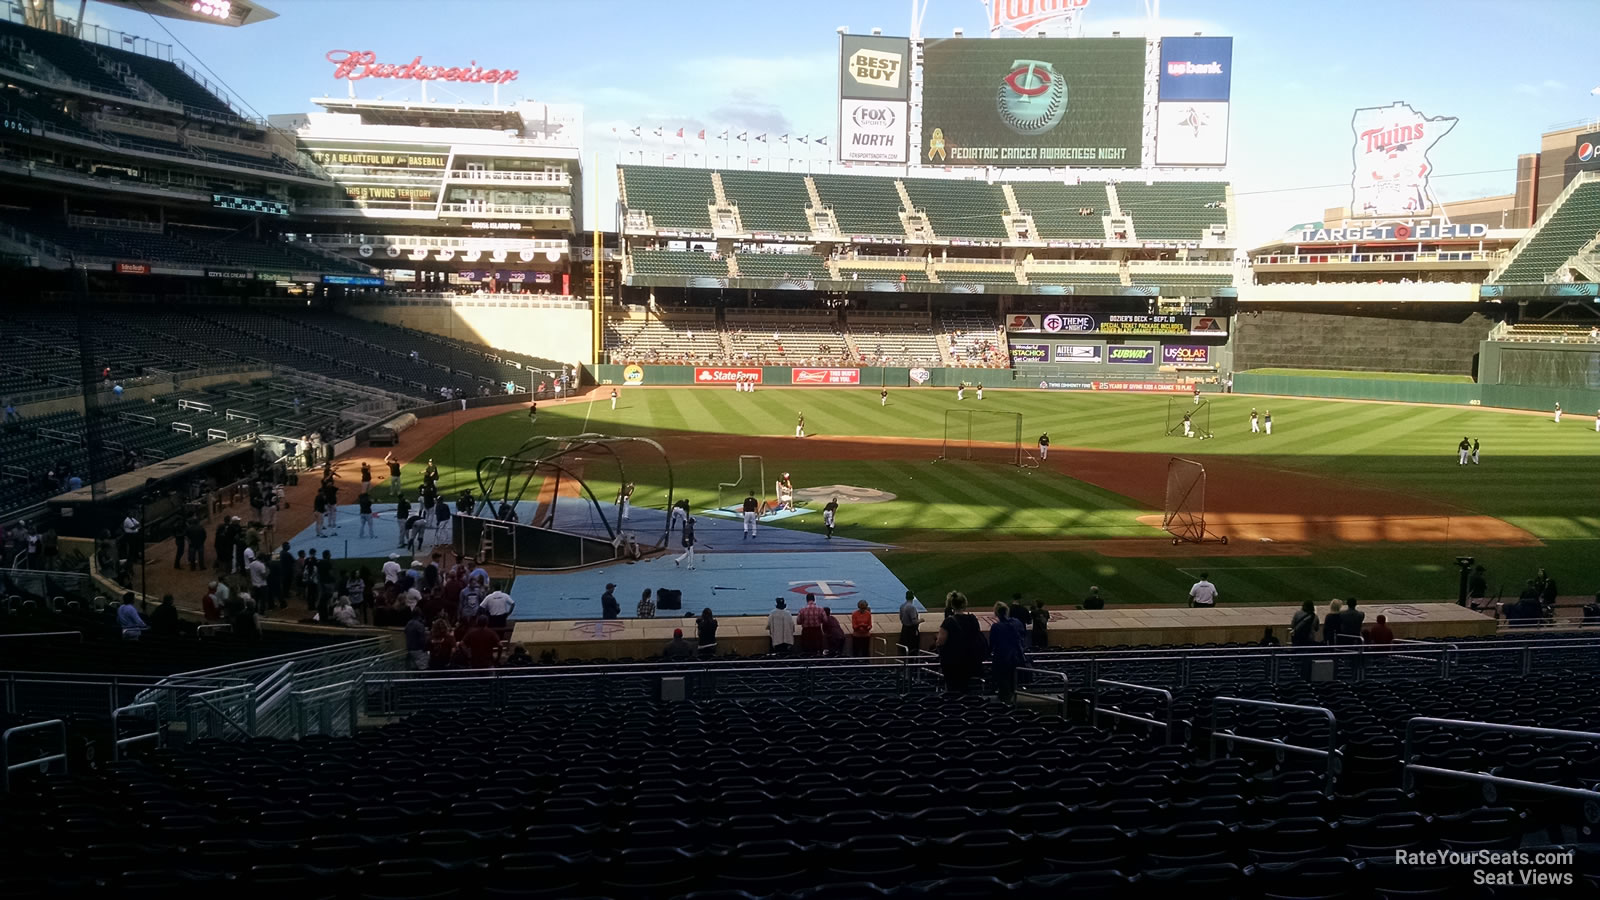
<point>613,398</point>
<point>1558,414</point>
<point>1044,446</point>
<point>800,425</point>
<point>688,543</point>
<point>680,514</point>
<point>1475,448</point>
<point>961,392</point>
<point>1267,421</point>
<point>827,515</point>
<point>1255,423</point>
<point>980,390</point>
<point>750,507</point>
<point>1463,450</point>
<point>1197,393</point>
<point>1188,426</point>
<point>883,400</point>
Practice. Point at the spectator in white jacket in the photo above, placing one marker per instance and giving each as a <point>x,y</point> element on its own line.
<point>780,627</point>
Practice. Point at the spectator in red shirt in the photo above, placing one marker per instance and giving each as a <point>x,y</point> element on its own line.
<point>482,644</point>
<point>861,629</point>
<point>1380,633</point>
<point>810,619</point>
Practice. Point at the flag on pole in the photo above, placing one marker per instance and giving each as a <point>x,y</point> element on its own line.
<point>658,132</point>
<point>762,138</point>
<point>804,138</point>
<point>823,140</point>
<point>636,133</point>
<point>744,135</point>
<point>702,135</point>
<point>784,138</point>
<point>723,136</point>
<point>680,132</point>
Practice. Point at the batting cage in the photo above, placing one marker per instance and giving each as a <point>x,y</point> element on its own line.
<point>1184,513</point>
<point>982,435</point>
<point>751,480</point>
<point>1185,418</point>
<point>564,501</point>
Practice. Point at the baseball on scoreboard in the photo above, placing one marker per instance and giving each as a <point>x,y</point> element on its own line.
<point>1032,102</point>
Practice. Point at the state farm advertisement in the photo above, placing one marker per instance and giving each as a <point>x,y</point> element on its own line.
<point>825,376</point>
<point>727,376</point>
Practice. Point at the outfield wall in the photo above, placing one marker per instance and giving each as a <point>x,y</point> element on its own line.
<point>1046,377</point>
<point>1580,401</point>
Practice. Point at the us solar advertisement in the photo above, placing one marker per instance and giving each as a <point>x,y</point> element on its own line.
<point>1032,102</point>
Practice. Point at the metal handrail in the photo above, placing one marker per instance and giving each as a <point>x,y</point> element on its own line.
<point>1095,709</point>
<point>1331,754</point>
<point>1066,688</point>
<point>118,742</point>
<point>314,700</point>
<point>42,761</point>
<point>1483,778</point>
<point>44,634</point>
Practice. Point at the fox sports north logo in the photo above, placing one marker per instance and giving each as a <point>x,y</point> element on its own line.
<point>1032,97</point>
<point>873,117</point>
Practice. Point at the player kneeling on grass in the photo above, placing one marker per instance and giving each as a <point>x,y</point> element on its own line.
<point>828,512</point>
<point>1188,426</point>
<point>750,508</point>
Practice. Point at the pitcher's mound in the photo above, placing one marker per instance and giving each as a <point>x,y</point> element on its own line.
<point>845,493</point>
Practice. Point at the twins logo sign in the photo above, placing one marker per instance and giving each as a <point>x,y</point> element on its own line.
<point>1032,97</point>
<point>823,589</point>
<point>1058,322</point>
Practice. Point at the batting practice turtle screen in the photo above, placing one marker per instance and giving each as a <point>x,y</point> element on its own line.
<point>1032,102</point>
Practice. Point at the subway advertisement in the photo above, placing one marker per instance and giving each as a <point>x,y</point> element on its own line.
<point>1032,102</point>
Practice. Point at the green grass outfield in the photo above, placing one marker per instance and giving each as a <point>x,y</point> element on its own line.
<point>1383,376</point>
<point>1535,475</point>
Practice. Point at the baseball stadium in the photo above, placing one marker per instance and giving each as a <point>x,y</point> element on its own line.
<point>432,491</point>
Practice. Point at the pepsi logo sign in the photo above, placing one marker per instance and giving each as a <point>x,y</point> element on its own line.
<point>1586,151</point>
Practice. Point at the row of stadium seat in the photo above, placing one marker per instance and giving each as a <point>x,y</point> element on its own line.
<point>776,203</point>
<point>181,246</point>
<point>677,336</point>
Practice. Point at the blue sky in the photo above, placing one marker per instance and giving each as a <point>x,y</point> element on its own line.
<point>1507,71</point>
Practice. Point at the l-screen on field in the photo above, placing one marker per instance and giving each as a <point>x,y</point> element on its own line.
<point>1341,499</point>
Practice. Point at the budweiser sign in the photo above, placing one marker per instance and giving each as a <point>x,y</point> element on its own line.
<point>355,65</point>
<point>825,376</point>
<point>1054,17</point>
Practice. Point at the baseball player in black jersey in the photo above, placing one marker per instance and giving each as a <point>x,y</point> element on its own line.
<point>1044,446</point>
<point>828,512</point>
<point>800,425</point>
<point>1463,450</point>
<point>883,400</point>
<point>750,507</point>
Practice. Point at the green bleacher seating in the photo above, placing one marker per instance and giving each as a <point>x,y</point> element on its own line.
<point>675,198</point>
<point>862,204</point>
<point>677,262</point>
<point>967,276</point>
<point>1184,284</point>
<point>782,265</point>
<point>912,273</point>
<point>1055,208</point>
<point>1573,224</point>
<point>1064,277</point>
<point>769,201</point>
<point>1172,211</point>
<point>970,209</point>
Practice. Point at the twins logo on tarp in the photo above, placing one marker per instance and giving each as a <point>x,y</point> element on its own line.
<point>1032,97</point>
<point>824,589</point>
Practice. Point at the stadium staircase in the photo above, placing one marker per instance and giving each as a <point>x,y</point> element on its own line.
<point>1567,230</point>
<point>824,225</point>
<point>724,215</point>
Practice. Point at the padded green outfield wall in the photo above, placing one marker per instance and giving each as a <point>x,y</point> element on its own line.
<point>784,376</point>
<point>1356,388</point>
